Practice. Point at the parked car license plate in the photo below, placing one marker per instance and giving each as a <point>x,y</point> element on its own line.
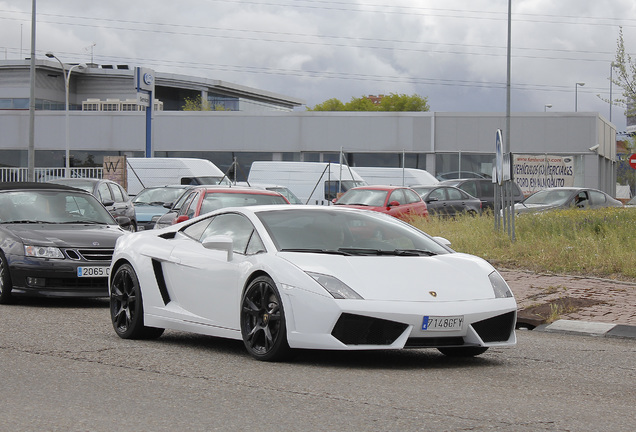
<point>440,323</point>
<point>93,271</point>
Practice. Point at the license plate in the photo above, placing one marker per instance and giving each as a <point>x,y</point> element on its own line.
<point>93,271</point>
<point>438,323</point>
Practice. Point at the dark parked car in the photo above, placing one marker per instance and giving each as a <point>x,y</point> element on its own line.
<point>398,201</point>
<point>55,240</point>
<point>152,203</point>
<point>448,200</point>
<point>484,189</point>
<point>112,195</point>
<point>202,199</point>
<point>565,198</point>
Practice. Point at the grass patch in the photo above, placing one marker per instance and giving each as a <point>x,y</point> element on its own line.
<point>589,243</point>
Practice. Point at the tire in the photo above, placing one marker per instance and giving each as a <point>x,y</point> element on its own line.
<point>463,351</point>
<point>5,281</point>
<point>263,321</point>
<point>126,306</point>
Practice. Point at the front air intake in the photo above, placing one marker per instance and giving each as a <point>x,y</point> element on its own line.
<point>361,330</point>
<point>496,329</point>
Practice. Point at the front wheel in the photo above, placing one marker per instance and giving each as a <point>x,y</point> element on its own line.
<point>5,281</point>
<point>263,321</point>
<point>463,351</point>
<point>126,306</point>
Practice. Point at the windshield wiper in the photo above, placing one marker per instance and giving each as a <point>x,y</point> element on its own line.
<point>396,252</point>
<point>28,221</point>
<point>324,251</point>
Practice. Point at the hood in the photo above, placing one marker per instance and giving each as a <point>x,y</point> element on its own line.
<point>527,208</point>
<point>452,277</point>
<point>145,212</point>
<point>76,235</point>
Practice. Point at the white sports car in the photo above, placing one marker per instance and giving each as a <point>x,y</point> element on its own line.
<point>308,277</point>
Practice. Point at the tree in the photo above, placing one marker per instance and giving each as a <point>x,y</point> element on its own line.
<point>198,104</point>
<point>625,76</point>
<point>392,102</point>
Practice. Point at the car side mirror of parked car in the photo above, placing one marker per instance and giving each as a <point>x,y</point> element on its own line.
<point>220,242</point>
<point>428,200</point>
<point>443,241</point>
<point>108,202</point>
<point>181,218</point>
<point>394,204</point>
<point>123,221</point>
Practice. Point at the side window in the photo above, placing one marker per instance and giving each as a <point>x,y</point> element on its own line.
<point>597,198</point>
<point>188,203</point>
<point>238,227</point>
<point>117,193</point>
<point>398,195</point>
<point>470,187</point>
<point>411,197</point>
<point>437,194</point>
<point>196,229</point>
<point>104,193</point>
<point>454,194</point>
<point>487,189</point>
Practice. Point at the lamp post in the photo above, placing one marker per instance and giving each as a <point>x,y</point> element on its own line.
<point>67,78</point>
<point>576,95</point>
<point>546,106</point>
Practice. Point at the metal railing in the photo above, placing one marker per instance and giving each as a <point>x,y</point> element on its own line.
<point>46,174</point>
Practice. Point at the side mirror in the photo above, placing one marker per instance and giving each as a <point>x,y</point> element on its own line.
<point>123,221</point>
<point>443,241</point>
<point>181,218</point>
<point>108,202</point>
<point>220,242</point>
<point>394,204</point>
<point>428,200</point>
<point>167,205</point>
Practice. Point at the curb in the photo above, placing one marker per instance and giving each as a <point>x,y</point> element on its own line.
<point>589,328</point>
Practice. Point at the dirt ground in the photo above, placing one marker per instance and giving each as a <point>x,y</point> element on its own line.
<point>543,298</point>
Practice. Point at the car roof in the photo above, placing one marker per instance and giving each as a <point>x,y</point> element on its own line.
<point>380,187</point>
<point>237,189</point>
<point>37,186</point>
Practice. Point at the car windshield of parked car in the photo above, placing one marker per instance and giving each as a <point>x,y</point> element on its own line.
<point>365,197</point>
<point>422,190</point>
<point>157,196</point>
<point>549,197</point>
<point>48,206</point>
<point>346,233</point>
<point>217,200</point>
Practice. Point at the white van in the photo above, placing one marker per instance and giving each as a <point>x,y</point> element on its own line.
<point>150,172</point>
<point>396,176</point>
<point>311,182</point>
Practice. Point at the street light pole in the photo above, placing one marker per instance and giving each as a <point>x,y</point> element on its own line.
<point>576,95</point>
<point>546,106</point>
<point>67,79</point>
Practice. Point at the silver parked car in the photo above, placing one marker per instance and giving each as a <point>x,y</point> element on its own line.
<point>564,198</point>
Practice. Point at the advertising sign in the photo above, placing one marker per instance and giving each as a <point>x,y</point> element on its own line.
<point>535,172</point>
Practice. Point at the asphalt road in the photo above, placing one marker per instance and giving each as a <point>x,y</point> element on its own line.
<point>64,369</point>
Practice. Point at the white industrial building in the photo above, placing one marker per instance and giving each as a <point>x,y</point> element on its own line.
<point>264,126</point>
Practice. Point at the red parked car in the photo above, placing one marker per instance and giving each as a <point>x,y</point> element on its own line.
<point>204,199</point>
<point>401,202</point>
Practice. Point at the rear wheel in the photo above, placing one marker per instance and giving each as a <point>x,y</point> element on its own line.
<point>463,351</point>
<point>126,306</point>
<point>263,321</point>
<point>5,281</point>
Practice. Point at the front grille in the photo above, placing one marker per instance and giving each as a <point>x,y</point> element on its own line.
<point>101,255</point>
<point>496,329</point>
<point>433,342</point>
<point>361,330</point>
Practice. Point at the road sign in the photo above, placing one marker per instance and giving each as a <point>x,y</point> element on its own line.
<point>632,160</point>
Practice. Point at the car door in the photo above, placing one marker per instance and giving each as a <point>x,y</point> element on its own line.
<point>204,282</point>
<point>436,201</point>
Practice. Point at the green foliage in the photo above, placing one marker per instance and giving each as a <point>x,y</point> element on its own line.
<point>392,102</point>
<point>580,242</point>
<point>624,76</point>
<point>197,104</point>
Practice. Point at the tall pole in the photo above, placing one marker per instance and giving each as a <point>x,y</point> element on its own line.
<point>576,95</point>
<point>31,149</point>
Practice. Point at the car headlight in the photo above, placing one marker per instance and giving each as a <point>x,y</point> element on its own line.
<point>499,285</point>
<point>43,252</point>
<point>335,286</point>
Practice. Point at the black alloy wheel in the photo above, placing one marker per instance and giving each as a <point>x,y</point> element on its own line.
<point>5,281</point>
<point>126,306</point>
<point>263,321</point>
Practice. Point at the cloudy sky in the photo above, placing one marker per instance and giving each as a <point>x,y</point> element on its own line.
<point>451,51</point>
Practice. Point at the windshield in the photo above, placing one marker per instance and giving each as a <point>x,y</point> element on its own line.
<point>216,200</point>
<point>158,196</point>
<point>211,180</point>
<point>345,232</point>
<point>293,199</point>
<point>365,197</point>
<point>52,207</point>
<point>549,197</point>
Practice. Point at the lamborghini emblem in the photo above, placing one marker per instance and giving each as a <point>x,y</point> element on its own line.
<point>433,293</point>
